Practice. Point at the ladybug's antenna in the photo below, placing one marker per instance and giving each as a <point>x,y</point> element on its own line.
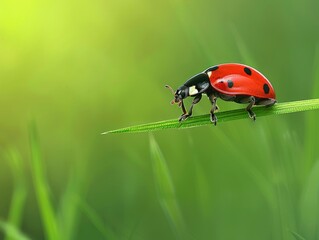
<point>170,88</point>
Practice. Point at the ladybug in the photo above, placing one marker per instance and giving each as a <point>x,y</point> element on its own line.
<point>230,82</point>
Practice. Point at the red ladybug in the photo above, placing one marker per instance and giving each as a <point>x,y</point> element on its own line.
<point>230,82</point>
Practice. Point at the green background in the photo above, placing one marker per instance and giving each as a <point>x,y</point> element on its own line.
<point>70,70</point>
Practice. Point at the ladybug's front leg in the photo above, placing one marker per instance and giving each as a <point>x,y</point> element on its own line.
<point>251,114</point>
<point>186,115</point>
<point>181,104</point>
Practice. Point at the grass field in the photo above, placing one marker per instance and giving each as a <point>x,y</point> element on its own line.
<point>72,70</point>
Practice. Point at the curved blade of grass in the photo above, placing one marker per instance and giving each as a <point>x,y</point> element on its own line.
<point>93,216</point>
<point>297,236</point>
<point>226,116</point>
<point>67,215</point>
<point>166,191</point>
<point>12,231</point>
<point>41,188</point>
<point>19,195</point>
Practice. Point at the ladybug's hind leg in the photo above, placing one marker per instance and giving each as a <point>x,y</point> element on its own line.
<point>251,114</point>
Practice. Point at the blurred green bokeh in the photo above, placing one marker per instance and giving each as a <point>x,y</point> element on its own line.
<point>70,70</point>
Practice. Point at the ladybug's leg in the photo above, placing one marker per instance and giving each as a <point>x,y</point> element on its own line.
<point>195,100</point>
<point>183,107</point>
<point>251,114</point>
<point>190,112</point>
<point>213,117</point>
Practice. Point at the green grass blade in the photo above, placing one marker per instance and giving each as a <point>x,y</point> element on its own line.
<point>309,207</point>
<point>68,213</point>
<point>165,190</point>
<point>94,218</point>
<point>68,210</point>
<point>41,189</point>
<point>311,120</point>
<point>226,116</point>
<point>12,231</point>
<point>297,236</point>
<point>19,193</point>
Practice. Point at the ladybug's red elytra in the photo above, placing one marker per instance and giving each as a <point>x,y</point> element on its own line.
<point>230,82</point>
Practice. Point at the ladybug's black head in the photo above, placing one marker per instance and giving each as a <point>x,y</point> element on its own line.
<point>180,94</point>
<point>197,84</point>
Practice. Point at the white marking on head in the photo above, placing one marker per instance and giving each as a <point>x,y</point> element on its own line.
<point>209,73</point>
<point>192,90</point>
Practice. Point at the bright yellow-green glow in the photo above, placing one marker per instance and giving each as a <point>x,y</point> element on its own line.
<point>78,68</point>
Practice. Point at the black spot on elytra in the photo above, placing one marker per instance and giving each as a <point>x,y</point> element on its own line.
<point>230,83</point>
<point>266,88</point>
<point>247,70</point>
